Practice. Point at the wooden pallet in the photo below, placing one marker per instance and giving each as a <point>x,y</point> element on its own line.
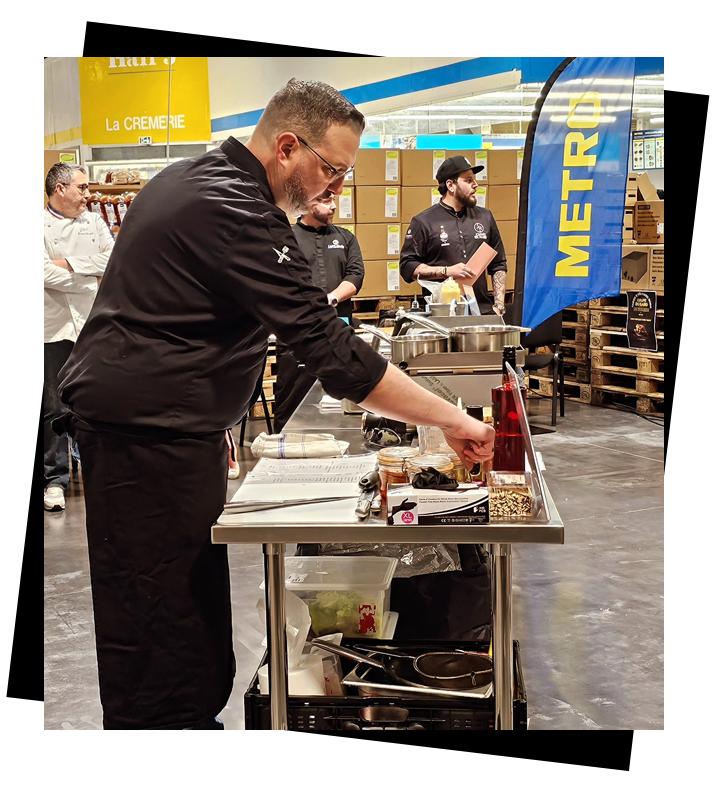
<point>575,353</point>
<point>257,412</point>
<point>583,304</point>
<point>601,338</point>
<point>580,373</point>
<point>575,335</point>
<point>630,382</point>
<point>576,392</point>
<point>649,404</point>
<point>627,361</point>
<point>620,300</point>
<point>579,316</point>
<point>270,368</point>
<point>268,386</point>
<point>616,316</point>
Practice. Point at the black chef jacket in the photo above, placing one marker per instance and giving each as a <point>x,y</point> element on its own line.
<point>440,236</point>
<point>334,255</point>
<point>204,269</point>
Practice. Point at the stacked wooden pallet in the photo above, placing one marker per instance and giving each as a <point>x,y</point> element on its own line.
<point>620,375</point>
<point>576,357</point>
<point>257,411</point>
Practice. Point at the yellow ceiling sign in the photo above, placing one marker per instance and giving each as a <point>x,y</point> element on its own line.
<point>127,99</point>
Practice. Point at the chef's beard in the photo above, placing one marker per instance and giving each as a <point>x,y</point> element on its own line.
<point>296,194</point>
<point>466,199</point>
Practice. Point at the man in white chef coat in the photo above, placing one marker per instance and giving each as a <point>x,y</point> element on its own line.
<point>77,249</point>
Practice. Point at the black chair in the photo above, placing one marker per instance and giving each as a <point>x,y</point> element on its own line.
<point>258,394</point>
<point>548,334</point>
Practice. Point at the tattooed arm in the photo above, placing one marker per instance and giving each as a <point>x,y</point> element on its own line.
<point>499,279</point>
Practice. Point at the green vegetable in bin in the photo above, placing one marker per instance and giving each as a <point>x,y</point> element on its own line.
<point>345,612</point>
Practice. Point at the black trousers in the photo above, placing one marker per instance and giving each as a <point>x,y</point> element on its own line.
<point>55,455</point>
<point>160,589</point>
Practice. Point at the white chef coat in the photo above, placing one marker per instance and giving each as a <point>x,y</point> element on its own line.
<point>86,243</point>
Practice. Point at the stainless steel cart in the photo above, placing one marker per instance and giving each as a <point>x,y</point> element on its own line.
<point>275,529</point>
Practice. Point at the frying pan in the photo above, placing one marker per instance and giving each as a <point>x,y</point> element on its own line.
<point>449,670</point>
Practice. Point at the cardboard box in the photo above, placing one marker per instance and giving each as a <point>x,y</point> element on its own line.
<point>345,206</point>
<point>635,267</point>
<point>382,279</point>
<point>378,204</point>
<point>646,190</point>
<point>379,240</point>
<point>628,224</point>
<point>348,226</point>
<point>505,166</point>
<point>377,167</point>
<point>509,234</point>
<point>657,268</point>
<point>419,166</point>
<point>407,506</point>
<point>416,199</point>
<point>504,202</point>
<point>649,222</point>
<point>51,156</point>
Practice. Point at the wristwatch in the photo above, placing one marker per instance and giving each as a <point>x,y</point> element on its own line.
<point>500,307</point>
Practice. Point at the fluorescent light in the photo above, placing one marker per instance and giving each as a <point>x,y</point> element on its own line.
<point>658,120</point>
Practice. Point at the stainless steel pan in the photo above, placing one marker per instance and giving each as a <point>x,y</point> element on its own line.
<point>404,348</point>
<point>475,338</point>
<point>449,670</point>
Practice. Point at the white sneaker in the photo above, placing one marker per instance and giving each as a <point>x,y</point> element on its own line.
<point>54,498</point>
<point>234,473</point>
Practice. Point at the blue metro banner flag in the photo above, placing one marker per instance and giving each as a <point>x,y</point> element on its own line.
<point>573,188</point>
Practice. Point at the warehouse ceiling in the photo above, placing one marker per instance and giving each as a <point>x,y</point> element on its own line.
<point>504,112</point>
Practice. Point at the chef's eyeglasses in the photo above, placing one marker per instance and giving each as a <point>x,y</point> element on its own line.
<point>335,173</point>
<point>83,188</point>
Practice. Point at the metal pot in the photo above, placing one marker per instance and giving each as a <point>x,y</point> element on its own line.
<point>476,338</point>
<point>444,309</point>
<point>403,348</point>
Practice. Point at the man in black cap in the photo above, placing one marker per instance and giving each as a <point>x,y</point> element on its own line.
<point>441,240</point>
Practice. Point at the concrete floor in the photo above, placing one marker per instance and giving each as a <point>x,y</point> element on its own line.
<point>589,614</point>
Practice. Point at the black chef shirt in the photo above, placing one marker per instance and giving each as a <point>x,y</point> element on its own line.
<point>334,256</point>
<point>439,236</point>
<point>204,269</point>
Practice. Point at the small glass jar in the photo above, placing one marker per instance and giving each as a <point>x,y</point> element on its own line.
<point>392,466</point>
<point>441,462</point>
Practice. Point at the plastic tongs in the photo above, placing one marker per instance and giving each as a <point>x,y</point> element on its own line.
<point>239,507</point>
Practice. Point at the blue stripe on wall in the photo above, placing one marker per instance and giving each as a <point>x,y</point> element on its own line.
<point>534,70</point>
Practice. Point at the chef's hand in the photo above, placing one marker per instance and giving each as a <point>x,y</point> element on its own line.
<point>459,271</point>
<point>471,440</point>
<point>62,263</point>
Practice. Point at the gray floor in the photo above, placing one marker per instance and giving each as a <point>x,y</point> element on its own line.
<point>589,614</point>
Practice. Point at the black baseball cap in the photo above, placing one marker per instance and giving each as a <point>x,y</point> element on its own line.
<point>451,167</point>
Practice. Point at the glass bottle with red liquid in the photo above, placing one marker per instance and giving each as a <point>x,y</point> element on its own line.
<point>509,450</point>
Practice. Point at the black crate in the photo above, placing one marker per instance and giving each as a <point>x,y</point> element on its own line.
<point>336,714</point>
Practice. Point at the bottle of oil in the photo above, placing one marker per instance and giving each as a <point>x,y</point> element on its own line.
<point>509,452</point>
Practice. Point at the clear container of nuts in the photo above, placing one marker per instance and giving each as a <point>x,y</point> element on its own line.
<point>511,495</point>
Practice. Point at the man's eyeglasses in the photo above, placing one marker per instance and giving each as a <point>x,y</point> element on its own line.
<point>83,188</point>
<point>335,172</point>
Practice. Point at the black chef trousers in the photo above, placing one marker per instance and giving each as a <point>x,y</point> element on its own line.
<point>160,589</point>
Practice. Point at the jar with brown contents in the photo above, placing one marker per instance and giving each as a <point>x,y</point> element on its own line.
<point>392,466</point>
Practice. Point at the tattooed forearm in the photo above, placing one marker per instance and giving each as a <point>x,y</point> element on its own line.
<point>499,279</point>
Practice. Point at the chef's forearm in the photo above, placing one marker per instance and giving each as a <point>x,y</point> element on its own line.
<point>429,272</point>
<point>499,279</point>
<point>397,397</point>
<point>344,291</point>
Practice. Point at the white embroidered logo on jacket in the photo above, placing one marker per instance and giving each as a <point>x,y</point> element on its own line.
<point>282,254</point>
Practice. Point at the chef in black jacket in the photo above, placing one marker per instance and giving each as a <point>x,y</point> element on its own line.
<point>441,240</point>
<point>206,267</point>
<point>336,263</point>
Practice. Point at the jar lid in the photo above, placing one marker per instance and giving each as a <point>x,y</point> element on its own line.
<point>440,462</point>
<point>397,454</point>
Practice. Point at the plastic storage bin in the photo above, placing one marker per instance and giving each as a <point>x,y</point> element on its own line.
<point>345,594</point>
<point>512,495</point>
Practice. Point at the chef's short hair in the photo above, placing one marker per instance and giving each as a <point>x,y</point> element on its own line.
<point>443,187</point>
<point>61,173</point>
<point>308,108</point>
